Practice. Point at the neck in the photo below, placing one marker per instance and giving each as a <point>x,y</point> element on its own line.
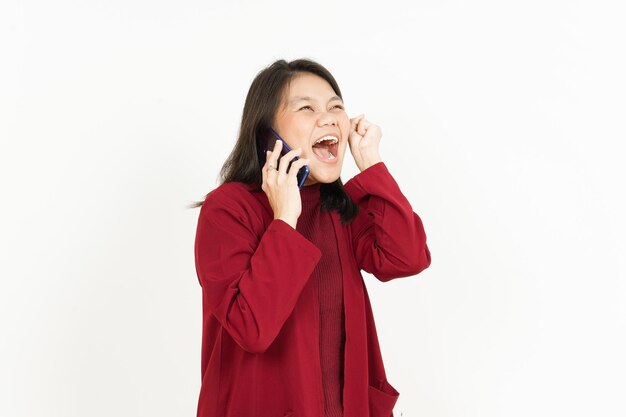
<point>310,193</point>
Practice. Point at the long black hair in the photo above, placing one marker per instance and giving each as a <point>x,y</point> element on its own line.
<point>262,102</point>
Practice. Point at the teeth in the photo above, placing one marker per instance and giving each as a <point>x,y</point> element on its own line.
<point>329,137</point>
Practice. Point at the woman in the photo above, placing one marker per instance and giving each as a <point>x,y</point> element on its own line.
<point>288,328</point>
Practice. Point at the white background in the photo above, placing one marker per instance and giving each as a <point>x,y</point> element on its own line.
<point>503,123</point>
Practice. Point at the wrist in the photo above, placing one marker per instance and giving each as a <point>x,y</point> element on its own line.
<point>370,159</point>
<point>290,222</point>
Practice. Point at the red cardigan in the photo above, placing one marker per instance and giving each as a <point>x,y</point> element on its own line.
<point>260,346</point>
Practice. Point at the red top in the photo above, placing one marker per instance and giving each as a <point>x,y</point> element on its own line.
<point>261,329</point>
<point>317,226</point>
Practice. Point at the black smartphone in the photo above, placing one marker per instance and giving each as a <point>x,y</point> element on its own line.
<point>267,142</point>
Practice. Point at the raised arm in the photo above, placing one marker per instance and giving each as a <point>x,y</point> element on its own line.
<point>388,238</point>
<point>250,284</point>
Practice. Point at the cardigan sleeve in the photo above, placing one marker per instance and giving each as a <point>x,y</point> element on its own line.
<point>388,237</point>
<point>250,284</point>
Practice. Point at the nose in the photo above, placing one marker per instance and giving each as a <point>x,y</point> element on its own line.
<point>327,119</point>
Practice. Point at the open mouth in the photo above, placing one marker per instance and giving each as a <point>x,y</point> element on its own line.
<point>326,150</point>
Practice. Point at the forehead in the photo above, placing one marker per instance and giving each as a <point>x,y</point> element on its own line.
<point>309,86</point>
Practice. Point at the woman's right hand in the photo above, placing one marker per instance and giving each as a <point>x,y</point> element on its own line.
<point>281,187</point>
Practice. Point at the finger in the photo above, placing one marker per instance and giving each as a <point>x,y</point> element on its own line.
<point>354,127</point>
<point>295,167</point>
<point>272,159</point>
<point>285,159</point>
<point>278,146</point>
<point>355,119</point>
<point>272,173</point>
<point>268,159</point>
<point>288,157</point>
<point>362,126</point>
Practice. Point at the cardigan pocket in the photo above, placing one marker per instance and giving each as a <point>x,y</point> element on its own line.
<point>382,399</point>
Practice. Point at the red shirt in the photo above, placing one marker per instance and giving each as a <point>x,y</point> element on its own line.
<point>317,225</point>
<point>261,309</point>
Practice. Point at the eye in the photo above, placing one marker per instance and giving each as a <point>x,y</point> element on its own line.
<point>339,105</point>
<point>306,107</point>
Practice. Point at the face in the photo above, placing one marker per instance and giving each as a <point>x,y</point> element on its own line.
<point>310,111</point>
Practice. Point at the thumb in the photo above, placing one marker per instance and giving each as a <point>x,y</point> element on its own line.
<point>356,118</point>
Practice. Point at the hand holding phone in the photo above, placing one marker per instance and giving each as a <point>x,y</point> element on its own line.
<point>282,193</point>
<point>267,142</point>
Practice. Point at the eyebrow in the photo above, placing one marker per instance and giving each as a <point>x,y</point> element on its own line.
<point>307,98</point>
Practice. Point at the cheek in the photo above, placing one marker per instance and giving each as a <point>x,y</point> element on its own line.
<point>296,133</point>
<point>344,122</point>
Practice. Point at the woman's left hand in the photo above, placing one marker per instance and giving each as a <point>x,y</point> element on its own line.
<point>364,140</point>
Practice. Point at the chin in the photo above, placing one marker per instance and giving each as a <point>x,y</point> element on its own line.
<point>326,177</point>
<point>325,173</point>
